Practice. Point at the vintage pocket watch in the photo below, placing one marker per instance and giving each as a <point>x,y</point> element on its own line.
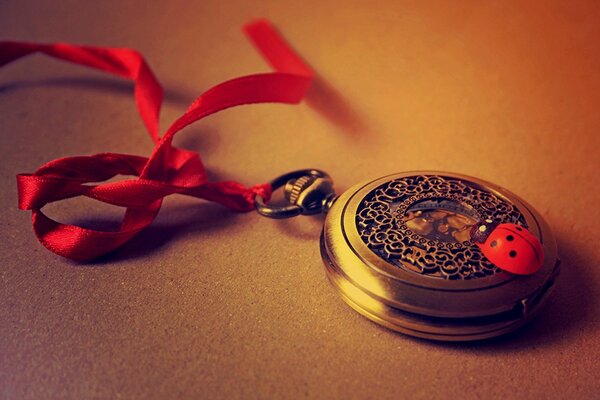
<point>403,250</point>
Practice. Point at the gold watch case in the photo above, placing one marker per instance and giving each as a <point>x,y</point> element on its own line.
<point>397,250</point>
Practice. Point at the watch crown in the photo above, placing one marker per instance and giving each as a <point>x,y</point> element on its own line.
<point>313,193</point>
<point>294,187</point>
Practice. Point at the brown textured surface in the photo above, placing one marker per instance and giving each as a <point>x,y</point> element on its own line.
<point>210,304</point>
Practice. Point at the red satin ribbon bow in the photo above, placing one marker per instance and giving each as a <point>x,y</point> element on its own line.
<point>168,170</point>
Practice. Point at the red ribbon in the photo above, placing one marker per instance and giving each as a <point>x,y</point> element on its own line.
<point>168,170</point>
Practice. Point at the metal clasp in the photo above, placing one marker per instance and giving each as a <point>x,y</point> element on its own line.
<point>307,191</point>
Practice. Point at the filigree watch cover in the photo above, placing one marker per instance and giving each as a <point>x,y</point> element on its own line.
<point>421,223</point>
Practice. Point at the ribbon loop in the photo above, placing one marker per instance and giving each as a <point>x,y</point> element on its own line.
<point>168,170</point>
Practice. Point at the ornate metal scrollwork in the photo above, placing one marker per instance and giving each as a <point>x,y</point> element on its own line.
<point>381,220</point>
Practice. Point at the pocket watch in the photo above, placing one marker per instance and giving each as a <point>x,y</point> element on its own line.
<point>430,254</point>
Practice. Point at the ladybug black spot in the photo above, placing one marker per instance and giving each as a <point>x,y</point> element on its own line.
<point>494,244</point>
<point>510,238</point>
<point>512,254</point>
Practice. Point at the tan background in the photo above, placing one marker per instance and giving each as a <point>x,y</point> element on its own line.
<point>211,304</point>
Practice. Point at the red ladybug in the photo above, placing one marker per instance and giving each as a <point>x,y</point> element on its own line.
<point>509,247</point>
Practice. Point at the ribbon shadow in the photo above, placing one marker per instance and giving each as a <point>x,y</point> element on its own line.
<point>330,104</point>
<point>176,97</point>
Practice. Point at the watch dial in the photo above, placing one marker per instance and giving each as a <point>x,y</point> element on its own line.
<point>441,219</point>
